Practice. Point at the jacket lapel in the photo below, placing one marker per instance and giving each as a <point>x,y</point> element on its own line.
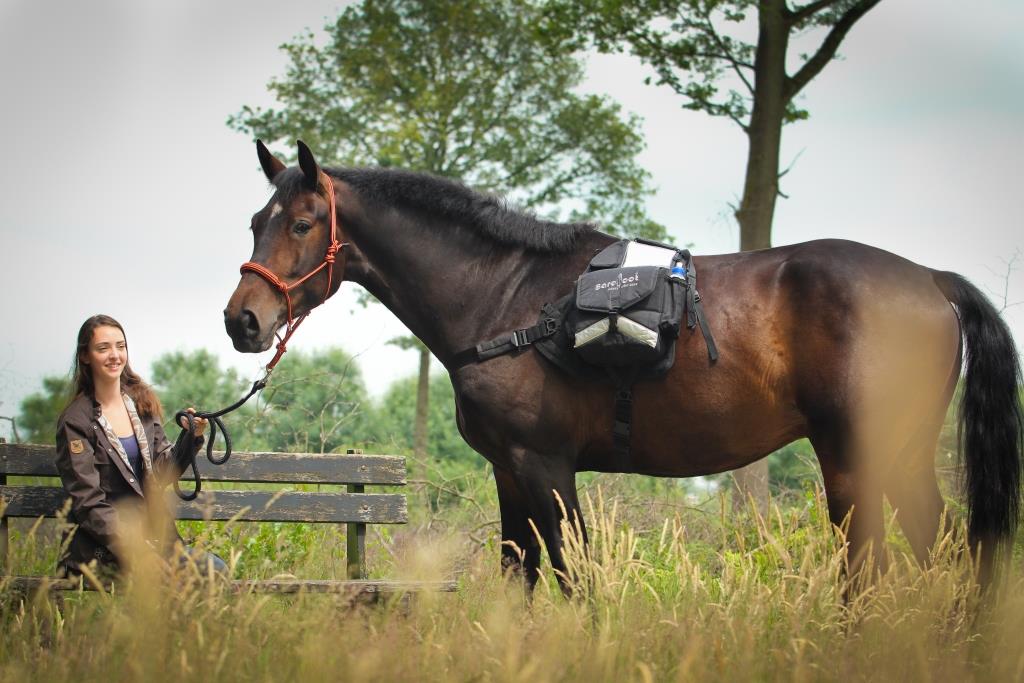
<point>140,435</point>
<point>122,458</point>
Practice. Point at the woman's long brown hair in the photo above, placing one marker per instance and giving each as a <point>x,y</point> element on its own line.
<point>146,401</point>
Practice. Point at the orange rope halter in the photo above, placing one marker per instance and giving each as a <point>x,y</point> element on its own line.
<point>277,283</point>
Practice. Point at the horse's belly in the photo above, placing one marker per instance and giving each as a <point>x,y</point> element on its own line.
<point>692,443</point>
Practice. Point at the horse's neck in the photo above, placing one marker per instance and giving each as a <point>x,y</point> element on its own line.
<point>454,289</point>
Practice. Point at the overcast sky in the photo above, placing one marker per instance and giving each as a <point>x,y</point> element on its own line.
<point>124,192</point>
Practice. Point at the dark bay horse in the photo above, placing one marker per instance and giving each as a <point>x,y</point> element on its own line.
<point>853,347</point>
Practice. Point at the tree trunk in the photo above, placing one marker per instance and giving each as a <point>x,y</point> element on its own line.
<point>761,185</point>
<point>419,434</point>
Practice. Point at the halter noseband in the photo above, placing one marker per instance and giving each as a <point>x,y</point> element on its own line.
<point>277,283</point>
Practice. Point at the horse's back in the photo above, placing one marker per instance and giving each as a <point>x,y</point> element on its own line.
<point>810,336</point>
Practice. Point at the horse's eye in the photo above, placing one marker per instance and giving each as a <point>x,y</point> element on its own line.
<point>301,228</point>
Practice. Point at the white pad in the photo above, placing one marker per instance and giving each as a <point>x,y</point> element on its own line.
<point>638,254</point>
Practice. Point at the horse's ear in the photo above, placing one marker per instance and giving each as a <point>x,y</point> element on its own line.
<point>307,163</point>
<point>271,164</point>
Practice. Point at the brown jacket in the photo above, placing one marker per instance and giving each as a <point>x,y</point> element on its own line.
<point>93,469</point>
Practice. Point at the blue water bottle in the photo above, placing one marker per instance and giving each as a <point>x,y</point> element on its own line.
<point>678,271</point>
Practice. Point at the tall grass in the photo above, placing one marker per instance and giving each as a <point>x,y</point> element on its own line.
<point>692,595</point>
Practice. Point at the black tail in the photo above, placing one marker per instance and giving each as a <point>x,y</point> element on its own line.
<point>991,418</point>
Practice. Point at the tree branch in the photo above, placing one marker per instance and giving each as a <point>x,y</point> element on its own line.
<point>828,47</point>
<point>14,427</point>
<point>1011,266</point>
<point>510,178</point>
<point>801,13</point>
<point>709,29</point>
<point>735,119</point>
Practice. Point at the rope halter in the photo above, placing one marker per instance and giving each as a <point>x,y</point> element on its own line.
<point>285,288</point>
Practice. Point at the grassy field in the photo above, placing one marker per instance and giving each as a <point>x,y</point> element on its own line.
<point>675,587</point>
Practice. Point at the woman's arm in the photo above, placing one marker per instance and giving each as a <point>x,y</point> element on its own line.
<point>76,462</point>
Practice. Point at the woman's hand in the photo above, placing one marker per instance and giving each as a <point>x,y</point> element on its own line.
<point>199,422</point>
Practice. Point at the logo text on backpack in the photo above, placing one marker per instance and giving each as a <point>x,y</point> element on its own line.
<point>631,281</point>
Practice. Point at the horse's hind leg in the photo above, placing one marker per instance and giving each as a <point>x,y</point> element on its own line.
<point>854,497</point>
<point>913,491</point>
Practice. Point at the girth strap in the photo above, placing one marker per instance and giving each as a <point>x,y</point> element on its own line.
<point>622,426</point>
<point>505,344</point>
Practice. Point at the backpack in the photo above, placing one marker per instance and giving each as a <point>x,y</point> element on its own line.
<point>619,325</point>
<point>628,307</point>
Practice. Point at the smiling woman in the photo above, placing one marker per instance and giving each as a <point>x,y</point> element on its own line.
<point>113,454</point>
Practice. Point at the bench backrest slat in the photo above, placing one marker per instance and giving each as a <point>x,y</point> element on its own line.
<point>291,468</point>
<point>248,506</point>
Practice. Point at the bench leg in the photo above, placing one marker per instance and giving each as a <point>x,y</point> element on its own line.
<point>355,541</point>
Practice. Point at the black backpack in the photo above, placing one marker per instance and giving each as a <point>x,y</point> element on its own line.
<point>628,317</point>
<point>619,326</point>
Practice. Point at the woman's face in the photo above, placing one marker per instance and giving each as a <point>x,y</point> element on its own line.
<point>107,353</point>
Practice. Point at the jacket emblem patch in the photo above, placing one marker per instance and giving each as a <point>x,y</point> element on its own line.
<point>76,446</point>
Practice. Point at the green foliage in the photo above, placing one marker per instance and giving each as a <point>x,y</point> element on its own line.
<point>393,426</point>
<point>194,379</point>
<point>37,422</point>
<point>695,46</point>
<point>681,41</point>
<point>463,89</point>
<point>793,466</point>
<point>315,403</point>
<point>407,343</point>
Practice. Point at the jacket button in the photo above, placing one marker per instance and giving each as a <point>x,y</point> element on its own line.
<point>130,480</point>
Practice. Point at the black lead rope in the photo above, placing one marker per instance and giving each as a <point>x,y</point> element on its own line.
<point>187,438</point>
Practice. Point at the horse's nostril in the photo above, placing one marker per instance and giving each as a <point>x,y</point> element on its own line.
<point>250,326</point>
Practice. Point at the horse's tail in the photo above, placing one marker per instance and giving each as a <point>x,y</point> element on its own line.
<point>991,421</point>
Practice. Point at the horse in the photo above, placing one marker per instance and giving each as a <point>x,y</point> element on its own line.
<point>855,348</point>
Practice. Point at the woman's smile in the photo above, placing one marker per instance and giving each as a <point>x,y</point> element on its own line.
<point>108,352</point>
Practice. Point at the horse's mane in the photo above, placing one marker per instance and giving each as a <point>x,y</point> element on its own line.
<point>451,201</point>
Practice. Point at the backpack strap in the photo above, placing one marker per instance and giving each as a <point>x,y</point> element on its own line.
<point>694,309</point>
<point>505,344</point>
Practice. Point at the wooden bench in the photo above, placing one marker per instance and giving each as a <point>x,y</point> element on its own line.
<point>353,507</point>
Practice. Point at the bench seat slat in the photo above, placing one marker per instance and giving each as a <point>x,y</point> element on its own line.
<point>298,468</point>
<point>249,506</point>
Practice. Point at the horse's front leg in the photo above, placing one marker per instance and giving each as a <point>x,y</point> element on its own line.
<point>520,548</point>
<point>547,484</point>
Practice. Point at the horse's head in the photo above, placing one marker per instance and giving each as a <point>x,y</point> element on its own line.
<point>294,265</point>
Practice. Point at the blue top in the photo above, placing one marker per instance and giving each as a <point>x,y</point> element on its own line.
<point>131,449</point>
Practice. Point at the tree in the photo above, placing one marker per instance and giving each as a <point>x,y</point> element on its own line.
<point>693,46</point>
<point>314,404</point>
<point>463,89</point>
<point>14,427</point>
<point>40,410</point>
<point>195,379</point>
<point>393,426</point>
<point>419,432</point>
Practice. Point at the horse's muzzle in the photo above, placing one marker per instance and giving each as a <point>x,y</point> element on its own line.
<point>245,333</point>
